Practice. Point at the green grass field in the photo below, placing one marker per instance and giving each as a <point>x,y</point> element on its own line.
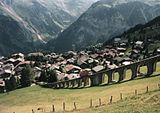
<point>24,100</point>
<point>143,103</point>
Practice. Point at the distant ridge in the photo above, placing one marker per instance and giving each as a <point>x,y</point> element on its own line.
<point>102,21</point>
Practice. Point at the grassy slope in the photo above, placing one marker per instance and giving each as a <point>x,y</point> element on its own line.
<point>143,103</point>
<point>23,100</point>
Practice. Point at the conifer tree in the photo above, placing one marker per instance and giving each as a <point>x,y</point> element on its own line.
<point>52,77</point>
<point>26,76</point>
<point>13,83</point>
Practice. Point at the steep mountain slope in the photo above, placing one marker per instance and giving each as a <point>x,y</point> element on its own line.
<point>26,24</point>
<point>50,17</point>
<point>5,7</point>
<point>13,37</point>
<point>15,34</point>
<point>103,20</point>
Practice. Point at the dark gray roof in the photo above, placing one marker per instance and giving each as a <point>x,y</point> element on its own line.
<point>98,68</point>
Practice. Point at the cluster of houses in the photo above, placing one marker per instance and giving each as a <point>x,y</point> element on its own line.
<point>71,65</point>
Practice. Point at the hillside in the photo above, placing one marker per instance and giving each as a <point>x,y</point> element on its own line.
<point>13,36</point>
<point>36,97</point>
<point>149,33</point>
<point>144,103</point>
<point>102,21</point>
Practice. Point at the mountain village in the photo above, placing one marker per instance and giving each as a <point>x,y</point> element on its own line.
<point>50,68</point>
<point>79,56</point>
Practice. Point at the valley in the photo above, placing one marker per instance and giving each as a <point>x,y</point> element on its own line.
<point>83,56</point>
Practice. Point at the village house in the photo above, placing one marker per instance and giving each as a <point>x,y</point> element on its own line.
<point>72,69</point>
<point>10,61</point>
<point>82,60</point>
<point>2,58</point>
<point>71,61</point>
<point>14,61</point>
<point>112,66</point>
<point>118,60</point>
<point>60,75</point>
<point>85,72</point>
<point>139,45</point>
<point>6,73</point>
<point>35,56</point>
<point>117,42</point>
<point>37,72</point>
<point>98,68</point>
<point>69,54</point>
<point>71,76</point>
<point>83,64</point>
<point>123,45</point>
<point>1,64</point>
<point>18,68</point>
<point>17,55</point>
<point>121,49</point>
<point>158,50</point>
<point>48,58</point>
<point>59,59</point>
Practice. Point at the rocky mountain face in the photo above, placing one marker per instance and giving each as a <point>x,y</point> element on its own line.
<point>50,17</point>
<point>15,34</point>
<point>104,20</point>
<point>26,24</point>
